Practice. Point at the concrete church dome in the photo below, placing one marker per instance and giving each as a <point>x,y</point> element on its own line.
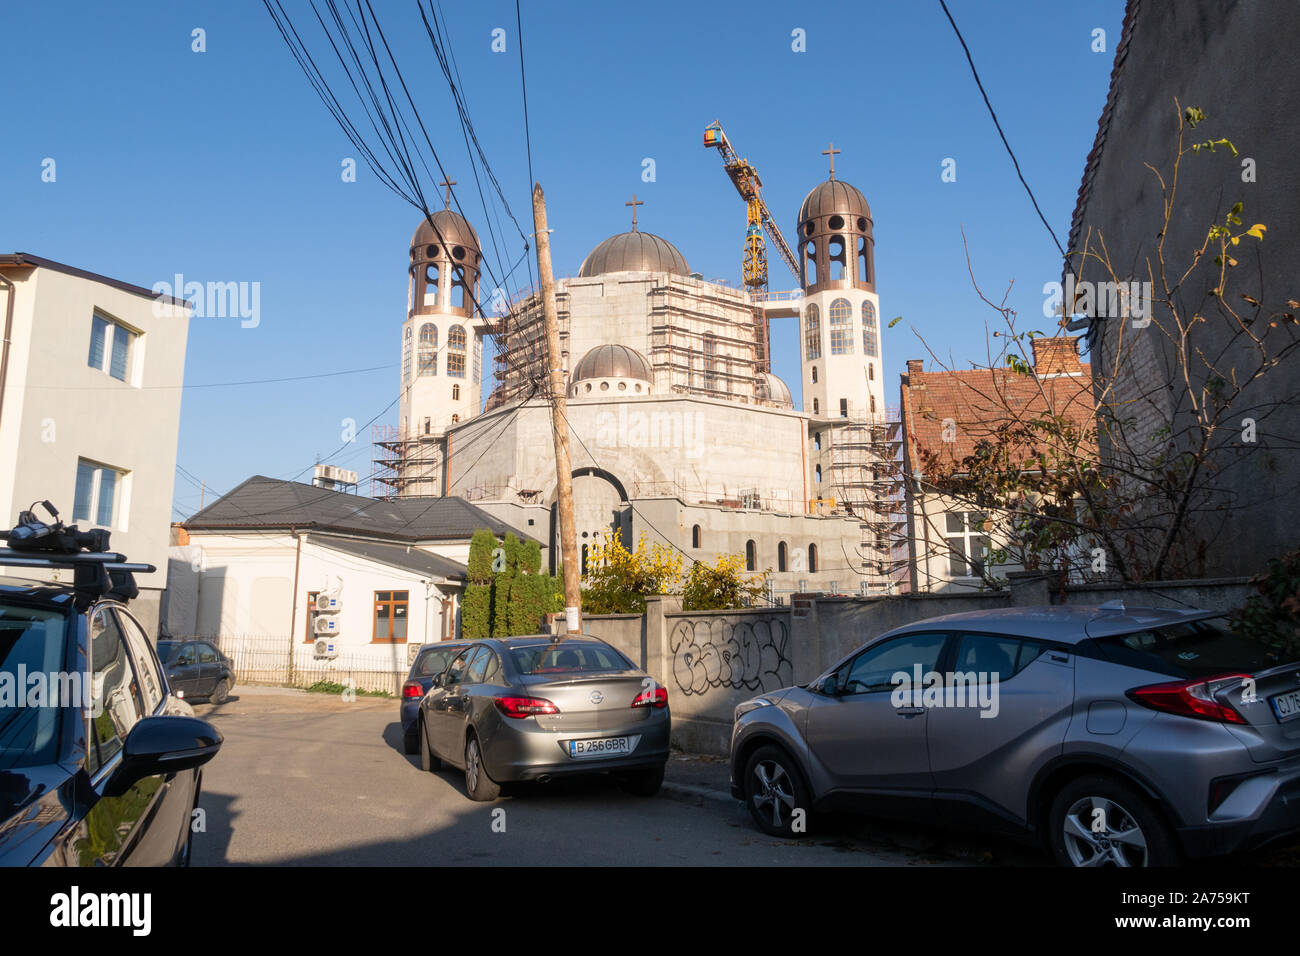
<point>772,389</point>
<point>616,368</point>
<point>832,197</point>
<point>634,252</point>
<point>455,232</point>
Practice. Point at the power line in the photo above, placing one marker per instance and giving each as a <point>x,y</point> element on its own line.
<point>994,115</point>
<point>251,381</point>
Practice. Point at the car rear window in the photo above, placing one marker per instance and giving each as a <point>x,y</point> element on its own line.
<point>32,642</point>
<point>567,657</point>
<point>433,662</point>
<point>1191,649</point>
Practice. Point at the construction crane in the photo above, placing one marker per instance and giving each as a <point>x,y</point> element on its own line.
<point>754,267</point>
<point>745,177</point>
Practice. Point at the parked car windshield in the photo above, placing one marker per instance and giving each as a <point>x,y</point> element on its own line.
<point>567,657</point>
<point>32,642</point>
<point>167,650</point>
<point>1192,649</point>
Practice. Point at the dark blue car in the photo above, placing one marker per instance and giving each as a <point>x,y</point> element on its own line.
<point>429,663</point>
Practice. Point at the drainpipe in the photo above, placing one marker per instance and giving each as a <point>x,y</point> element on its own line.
<point>293,598</point>
<point>9,324</point>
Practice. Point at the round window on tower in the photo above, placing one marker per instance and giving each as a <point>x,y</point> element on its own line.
<point>862,224</point>
<point>807,230</point>
<point>837,222</point>
<point>589,386</point>
<point>458,252</point>
<point>604,386</point>
<point>430,252</point>
<point>622,386</point>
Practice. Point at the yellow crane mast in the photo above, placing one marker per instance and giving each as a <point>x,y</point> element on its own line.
<point>744,175</point>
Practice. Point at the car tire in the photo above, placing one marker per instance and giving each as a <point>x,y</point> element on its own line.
<point>429,763</point>
<point>774,790</point>
<point>221,693</point>
<point>478,784</point>
<point>1135,833</point>
<point>643,783</point>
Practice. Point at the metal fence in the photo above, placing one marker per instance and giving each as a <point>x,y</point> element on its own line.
<point>272,659</point>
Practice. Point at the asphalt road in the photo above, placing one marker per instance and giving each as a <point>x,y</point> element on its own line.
<point>309,779</point>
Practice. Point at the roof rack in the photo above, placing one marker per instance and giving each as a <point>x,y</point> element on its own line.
<point>96,575</point>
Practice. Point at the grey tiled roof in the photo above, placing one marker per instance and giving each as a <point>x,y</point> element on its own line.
<point>394,555</point>
<point>271,504</point>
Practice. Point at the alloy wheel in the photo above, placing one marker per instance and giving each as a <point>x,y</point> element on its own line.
<point>1100,832</point>
<point>471,765</point>
<point>774,791</point>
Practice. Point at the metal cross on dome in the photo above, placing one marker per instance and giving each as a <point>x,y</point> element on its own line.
<point>831,153</point>
<point>634,203</point>
<point>446,202</point>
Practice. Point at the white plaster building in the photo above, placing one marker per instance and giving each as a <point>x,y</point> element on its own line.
<point>90,399</point>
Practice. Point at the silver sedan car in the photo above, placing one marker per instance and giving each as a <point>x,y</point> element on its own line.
<point>1113,736</point>
<point>537,708</point>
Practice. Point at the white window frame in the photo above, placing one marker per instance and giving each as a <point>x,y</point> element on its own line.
<point>966,536</point>
<point>133,352</point>
<point>121,496</point>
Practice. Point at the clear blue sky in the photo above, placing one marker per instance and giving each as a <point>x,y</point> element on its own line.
<point>224,166</point>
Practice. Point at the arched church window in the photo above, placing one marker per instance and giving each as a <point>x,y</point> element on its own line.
<point>710,361</point>
<point>460,291</point>
<point>812,334</point>
<point>430,285</point>
<point>812,559</point>
<point>814,374</point>
<point>455,393</point>
<point>782,557</point>
<point>751,556</point>
<point>836,263</point>
<point>809,263</point>
<point>819,474</point>
<point>841,316</point>
<point>428,361</point>
<point>695,536</point>
<point>864,274</point>
<point>816,407</point>
<point>406,356</point>
<point>869,328</point>
<point>456,351</point>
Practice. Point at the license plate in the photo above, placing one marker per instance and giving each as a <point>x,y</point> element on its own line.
<point>1286,706</point>
<point>600,747</point>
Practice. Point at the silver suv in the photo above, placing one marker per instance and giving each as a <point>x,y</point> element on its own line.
<point>1124,737</point>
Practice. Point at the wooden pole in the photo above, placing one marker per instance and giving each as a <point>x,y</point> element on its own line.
<point>559,422</point>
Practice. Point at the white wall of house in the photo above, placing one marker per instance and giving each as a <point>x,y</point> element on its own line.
<point>241,586</point>
<point>58,410</point>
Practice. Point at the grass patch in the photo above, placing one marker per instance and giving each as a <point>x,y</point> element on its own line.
<point>334,687</point>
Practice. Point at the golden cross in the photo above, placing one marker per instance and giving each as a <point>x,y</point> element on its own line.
<point>634,203</point>
<point>447,199</point>
<point>831,153</point>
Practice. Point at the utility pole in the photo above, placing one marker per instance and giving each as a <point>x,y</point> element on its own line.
<point>559,422</point>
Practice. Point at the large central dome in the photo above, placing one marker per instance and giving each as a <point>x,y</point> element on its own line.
<point>634,252</point>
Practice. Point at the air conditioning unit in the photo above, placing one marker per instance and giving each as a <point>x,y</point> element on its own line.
<point>326,647</point>
<point>327,625</point>
<point>328,603</point>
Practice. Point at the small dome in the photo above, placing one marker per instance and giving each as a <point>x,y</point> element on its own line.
<point>451,226</point>
<point>634,252</point>
<point>613,361</point>
<point>496,399</point>
<point>834,196</point>
<point>772,389</point>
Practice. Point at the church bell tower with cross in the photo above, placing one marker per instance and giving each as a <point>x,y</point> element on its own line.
<point>442,343</point>
<point>840,321</point>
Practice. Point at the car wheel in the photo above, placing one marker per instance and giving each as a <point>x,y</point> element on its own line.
<point>428,762</point>
<point>1103,821</point>
<point>478,784</point>
<point>774,791</point>
<point>643,783</point>
<point>222,692</point>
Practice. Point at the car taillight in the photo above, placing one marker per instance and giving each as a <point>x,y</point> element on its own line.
<point>520,707</point>
<point>412,688</point>
<point>1192,698</point>
<point>657,697</point>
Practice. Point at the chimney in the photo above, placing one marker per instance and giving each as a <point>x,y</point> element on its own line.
<point>914,367</point>
<point>1056,355</point>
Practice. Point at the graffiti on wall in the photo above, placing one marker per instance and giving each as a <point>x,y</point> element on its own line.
<point>735,653</point>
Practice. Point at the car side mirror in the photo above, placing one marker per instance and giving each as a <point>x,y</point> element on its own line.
<point>831,685</point>
<point>437,680</point>
<point>161,745</point>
